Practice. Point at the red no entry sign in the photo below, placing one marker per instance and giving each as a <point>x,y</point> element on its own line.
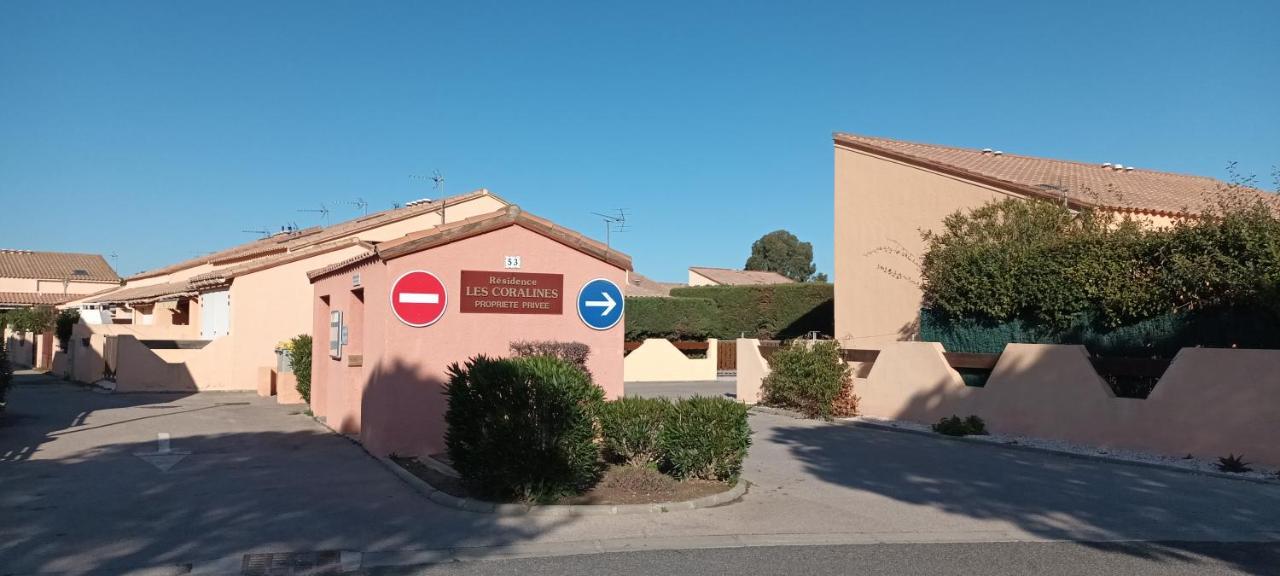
<point>418,298</point>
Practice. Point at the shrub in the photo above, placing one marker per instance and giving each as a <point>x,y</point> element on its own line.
<point>630,428</point>
<point>6,369</point>
<point>522,428</point>
<point>670,318</point>
<point>1234,464</point>
<point>705,438</point>
<point>575,353</point>
<point>955,426</point>
<point>774,311</point>
<point>810,377</point>
<point>64,324</point>
<point>1039,262</point>
<point>299,352</point>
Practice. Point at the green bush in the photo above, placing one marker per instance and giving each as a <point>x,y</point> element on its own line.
<point>522,428</point>
<point>575,353</point>
<point>1040,263</point>
<point>630,427</point>
<point>810,376</point>
<point>670,318</point>
<point>299,352</point>
<point>65,323</point>
<point>6,369</point>
<point>955,426</point>
<point>705,438</point>
<point>772,312</point>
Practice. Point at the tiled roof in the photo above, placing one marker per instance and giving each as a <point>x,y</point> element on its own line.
<point>281,243</point>
<point>638,285</point>
<point>140,294</point>
<point>55,266</point>
<point>1083,184</point>
<point>35,298</point>
<point>512,215</point>
<point>730,277</point>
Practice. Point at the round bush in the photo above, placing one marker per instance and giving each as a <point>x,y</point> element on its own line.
<point>522,428</point>
<point>705,438</point>
<point>630,428</point>
<point>810,377</point>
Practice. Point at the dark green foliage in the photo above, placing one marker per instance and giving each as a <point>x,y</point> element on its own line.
<point>1037,262</point>
<point>35,320</point>
<point>1159,337</point>
<point>575,353</point>
<point>955,426</point>
<point>810,376</point>
<point>1234,464</point>
<point>770,312</point>
<point>705,438</point>
<point>522,428</point>
<point>65,323</point>
<point>780,251</point>
<point>630,427</point>
<point>670,318</point>
<point>300,358</point>
<point>6,369</point>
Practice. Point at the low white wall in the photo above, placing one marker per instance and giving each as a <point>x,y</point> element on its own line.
<point>657,360</point>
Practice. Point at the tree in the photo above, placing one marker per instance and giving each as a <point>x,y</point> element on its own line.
<point>780,251</point>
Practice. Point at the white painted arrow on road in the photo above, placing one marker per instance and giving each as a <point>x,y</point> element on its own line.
<point>419,298</point>
<point>608,303</point>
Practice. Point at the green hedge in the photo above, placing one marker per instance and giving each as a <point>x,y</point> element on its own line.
<point>1159,337</point>
<point>671,318</point>
<point>629,429</point>
<point>706,438</point>
<point>773,312</point>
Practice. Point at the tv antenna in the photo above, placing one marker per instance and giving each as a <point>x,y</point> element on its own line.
<point>361,205</point>
<point>437,184</point>
<point>613,223</point>
<point>264,232</point>
<point>322,210</point>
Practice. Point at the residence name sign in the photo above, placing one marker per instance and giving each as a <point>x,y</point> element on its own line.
<point>506,292</point>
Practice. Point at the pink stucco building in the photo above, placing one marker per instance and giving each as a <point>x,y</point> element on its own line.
<point>381,379</point>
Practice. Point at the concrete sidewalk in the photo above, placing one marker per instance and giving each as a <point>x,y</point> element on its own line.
<point>266,478</point>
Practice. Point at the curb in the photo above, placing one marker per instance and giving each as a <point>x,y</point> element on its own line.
<point>472,505</point>
<point>1023,447</point>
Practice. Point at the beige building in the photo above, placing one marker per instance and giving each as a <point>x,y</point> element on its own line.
<point>705,276</point>
<point>888,191</point>
<point>29,278</point>
<point>213,322</point>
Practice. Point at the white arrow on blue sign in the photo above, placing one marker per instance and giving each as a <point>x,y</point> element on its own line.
<point>600,304</point>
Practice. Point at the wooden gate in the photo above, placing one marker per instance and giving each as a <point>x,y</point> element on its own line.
<point>727,356</point>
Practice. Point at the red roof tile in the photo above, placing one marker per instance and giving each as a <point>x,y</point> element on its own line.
<point>55,266</point>
<point>1084,184</point>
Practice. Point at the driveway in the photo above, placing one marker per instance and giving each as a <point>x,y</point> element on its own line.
<point>723,386</point>
<point>262,477</point>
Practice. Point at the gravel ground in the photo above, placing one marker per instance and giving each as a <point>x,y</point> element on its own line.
<point>1188,463</point>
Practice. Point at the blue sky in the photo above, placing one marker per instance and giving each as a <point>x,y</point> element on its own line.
<point>160,130</point>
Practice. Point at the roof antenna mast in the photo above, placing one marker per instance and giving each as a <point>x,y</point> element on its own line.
<point>322,210</point>
<point>437,182</point>
<point>616,222</point>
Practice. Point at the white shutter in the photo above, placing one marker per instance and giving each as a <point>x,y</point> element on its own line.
<point>215,314</point>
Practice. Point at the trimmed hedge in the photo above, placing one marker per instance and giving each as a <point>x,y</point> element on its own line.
<point>670,318</point>
<point>299,352</point>
<point>522,428</point>
<point>771,312</point>
<point>705,438</point>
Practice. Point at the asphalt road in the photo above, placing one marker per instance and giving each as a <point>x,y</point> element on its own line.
<point>989,559</point>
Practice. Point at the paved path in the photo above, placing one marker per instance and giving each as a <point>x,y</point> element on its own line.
<point>989,559</point>
<point>723,386</point>
<point>264,477</point>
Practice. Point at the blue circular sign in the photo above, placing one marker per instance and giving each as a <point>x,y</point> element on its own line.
<point>600,304</point>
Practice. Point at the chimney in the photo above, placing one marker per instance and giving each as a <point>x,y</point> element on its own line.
<point>986,151</point>
<point>1106,165</point>
<point>1128,168</point>
<point>998,152</point>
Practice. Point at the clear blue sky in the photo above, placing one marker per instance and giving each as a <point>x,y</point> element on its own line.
<point>159,130</point>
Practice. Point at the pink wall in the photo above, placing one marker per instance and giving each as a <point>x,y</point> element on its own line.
<point>395,401</point>
<point>1209,403</point>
